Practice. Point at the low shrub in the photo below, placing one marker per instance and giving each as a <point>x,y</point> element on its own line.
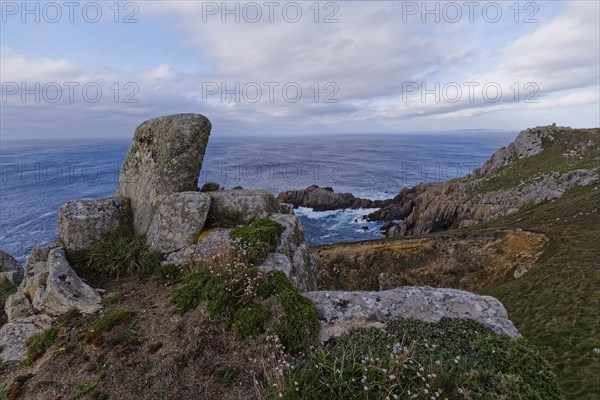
<point>238,296</point>
<point>299,323</point>
<point>110,320</point>
<point>257,239</point>
<point>251,320</point>
<point>82,389</point>
<point>119,254</point>
<point>39,344</point>
<point>413,359</point>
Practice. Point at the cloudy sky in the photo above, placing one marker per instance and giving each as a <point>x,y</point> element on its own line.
<point>93,69</point>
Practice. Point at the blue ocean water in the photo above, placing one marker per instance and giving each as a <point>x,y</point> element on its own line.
<point>36,177</point>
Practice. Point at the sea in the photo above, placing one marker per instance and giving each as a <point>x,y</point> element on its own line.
<point>36,177</point>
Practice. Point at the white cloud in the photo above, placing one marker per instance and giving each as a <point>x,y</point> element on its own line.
<point>369,54</point>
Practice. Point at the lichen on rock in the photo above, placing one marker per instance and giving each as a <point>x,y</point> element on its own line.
<point>178,221</point>
<point>165,157</point>
<point>342,311</point>
<point>80,222</point>
<point>51,287</point>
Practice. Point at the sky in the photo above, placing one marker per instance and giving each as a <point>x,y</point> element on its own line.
<point>98,69</point>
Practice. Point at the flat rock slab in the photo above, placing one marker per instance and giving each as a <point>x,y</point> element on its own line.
<point>342,311</point>
<point>165,157</point>
<point>80,222</point>
<point>15,335</point>
<point>178,221</point>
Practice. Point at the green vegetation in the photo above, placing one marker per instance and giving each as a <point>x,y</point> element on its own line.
<point>17,386</point>
<point>259,238</point>
<point>82,389</point>
<point>251,320</point>
<point>39,344</point>
<point>240,296</point>
<point>6,289</point>
<point>526,170</point>
<point>555,304</point>
<point>413,359</point>
<point>164,275</point>
<point>120,254</point>
<point>99,396</point>
<point>241,293</point>
<point>104,324</point>
<point>224,374</point>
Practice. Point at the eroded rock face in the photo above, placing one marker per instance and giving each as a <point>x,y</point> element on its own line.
<point>51,287</point>
<point>342,311</point>
<point>433,207</point>
<point>230,208</point>
<point>178,221</point>
<point>165,157</point>
<point>293,257</point>
<point>80,222</point>
<point>10,269</point>
<point>15,335</point>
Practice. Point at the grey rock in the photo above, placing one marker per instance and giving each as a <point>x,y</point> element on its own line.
<point>210,187</point>
<point>178,221</point>
<point>17,306</point>
<point>214,244</point>
<point>15,335</point>
<point>342,311</point>
<point>324,198</point>
<point>51,287</point>
<point>433,207</point>
<point>230,208</point>
<point>10,269</point>
<point>528,143</point>
<point>80,222</point>
<point>293,257</point>
<point>165,157</point>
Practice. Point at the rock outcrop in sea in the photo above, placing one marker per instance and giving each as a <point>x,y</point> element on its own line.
<point>324,199</point>
<point>158,196</point>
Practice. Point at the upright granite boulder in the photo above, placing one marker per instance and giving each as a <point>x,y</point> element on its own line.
<point>178,221</point>
<point>50,287</point>
<point>10,270</point>
<point>165,157</point>
<point>230,208</point>
<point>342,311</point>
<point>80,222</point>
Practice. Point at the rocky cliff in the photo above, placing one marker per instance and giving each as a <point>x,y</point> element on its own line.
<point>540,165</point>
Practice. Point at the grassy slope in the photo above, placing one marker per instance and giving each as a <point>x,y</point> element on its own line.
<point>556,303</point>
<point>551,159</point>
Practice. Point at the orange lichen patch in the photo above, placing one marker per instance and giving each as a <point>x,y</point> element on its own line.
<point>203,234</point>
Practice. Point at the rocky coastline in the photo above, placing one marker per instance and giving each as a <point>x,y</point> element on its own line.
<point>245,257</point>
<point>462,202</point>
